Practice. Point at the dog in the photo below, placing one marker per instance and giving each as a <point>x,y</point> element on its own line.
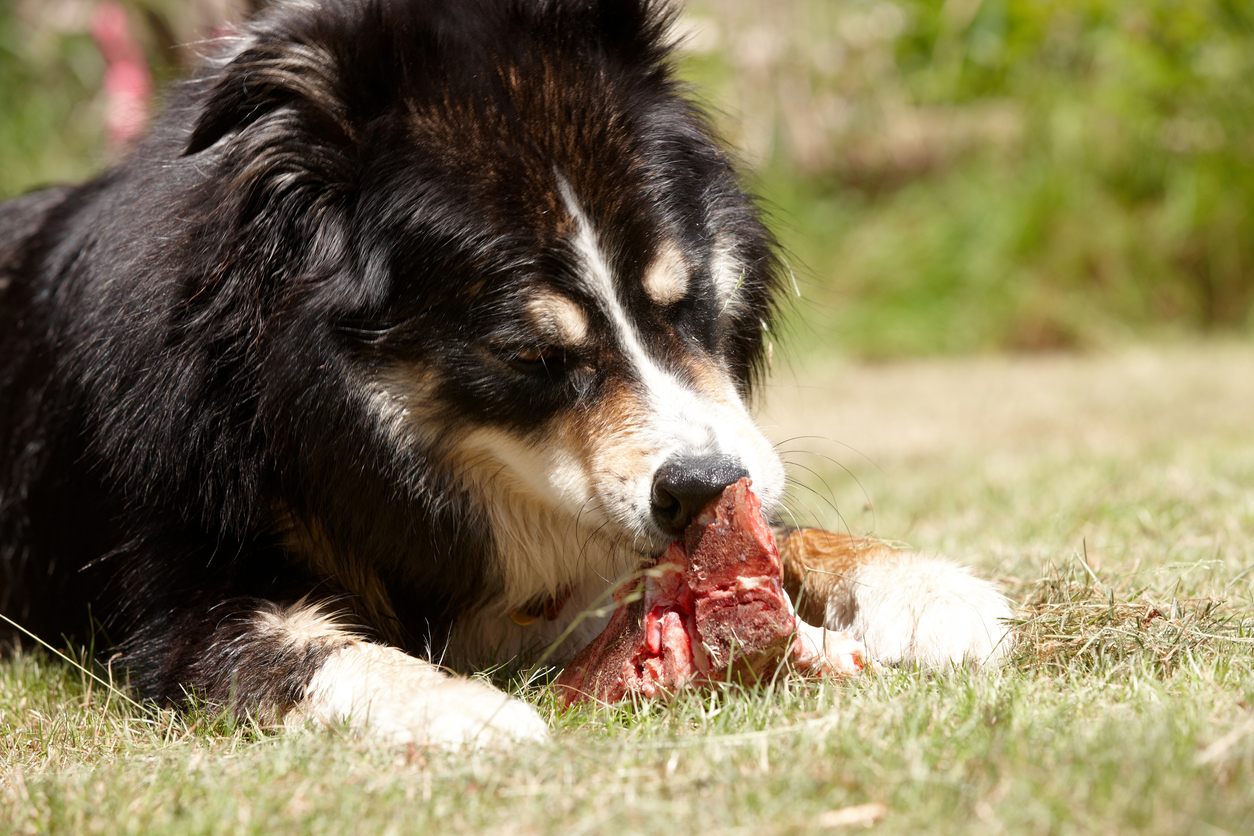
<point>407,331</point>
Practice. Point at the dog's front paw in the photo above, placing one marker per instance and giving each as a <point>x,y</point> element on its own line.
<point>834,652</point>
<point>913,609</point>
<point>390,696</point>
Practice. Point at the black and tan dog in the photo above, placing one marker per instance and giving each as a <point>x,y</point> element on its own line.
<point>409,328</point>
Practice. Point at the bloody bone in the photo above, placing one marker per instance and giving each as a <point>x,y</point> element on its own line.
<point>713,607</point>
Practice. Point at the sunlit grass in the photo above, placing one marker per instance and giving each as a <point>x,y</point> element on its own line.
<point>1125,707</point>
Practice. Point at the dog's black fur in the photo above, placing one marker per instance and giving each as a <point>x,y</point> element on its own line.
<point>184,340</point>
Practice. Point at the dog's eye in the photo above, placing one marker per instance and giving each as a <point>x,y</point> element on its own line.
<point>533,354</point>
<point>538,360</point>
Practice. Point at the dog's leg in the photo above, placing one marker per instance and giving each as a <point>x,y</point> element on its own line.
<point>296,663</point>
<point>395,697</point>
<point>907,608</point>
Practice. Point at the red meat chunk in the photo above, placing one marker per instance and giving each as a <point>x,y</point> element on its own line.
<point>713,607</point>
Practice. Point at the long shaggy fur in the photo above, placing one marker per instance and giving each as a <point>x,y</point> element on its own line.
<point>191,345</point>
<point>409,324</point>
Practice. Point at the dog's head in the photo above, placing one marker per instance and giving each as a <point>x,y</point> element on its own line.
<point>528,291</point>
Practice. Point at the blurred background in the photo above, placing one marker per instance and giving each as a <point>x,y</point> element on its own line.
<point>948,177</point>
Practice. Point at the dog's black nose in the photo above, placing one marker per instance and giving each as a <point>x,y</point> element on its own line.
<point>685,485</point>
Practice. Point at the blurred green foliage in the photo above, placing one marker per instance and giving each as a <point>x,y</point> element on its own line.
<point>1001,174</point>
<point>947,176</point>
<point>50,110</point>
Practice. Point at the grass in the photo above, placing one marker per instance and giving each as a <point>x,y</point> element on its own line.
<point>1126,708</point>
<point>1082,179</point>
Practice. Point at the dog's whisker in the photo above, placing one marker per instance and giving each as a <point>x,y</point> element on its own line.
<point>813,513</point>
<point>810,451</point>
<point>866,495</point>
<point>825,499</point>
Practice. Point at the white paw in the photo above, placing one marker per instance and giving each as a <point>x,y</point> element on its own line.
<point>914,609</point>
<point>393,697</point>
<point>835,652</point>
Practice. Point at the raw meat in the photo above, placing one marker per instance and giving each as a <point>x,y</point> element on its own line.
<point>712,609</point>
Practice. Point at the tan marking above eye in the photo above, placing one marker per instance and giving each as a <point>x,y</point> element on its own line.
<point>728,273</point>
<point>666,280</point>
<point>558,319</point>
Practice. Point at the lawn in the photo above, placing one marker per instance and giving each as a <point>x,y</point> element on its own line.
<point>950,179</point>
<point>1108,491</point>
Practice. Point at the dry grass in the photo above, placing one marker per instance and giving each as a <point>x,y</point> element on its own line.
<point>1073,623</point>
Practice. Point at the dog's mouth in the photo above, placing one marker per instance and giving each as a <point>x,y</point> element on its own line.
<point>713,604</point>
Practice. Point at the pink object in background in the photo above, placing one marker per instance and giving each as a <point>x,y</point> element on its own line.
<point>127,80</point>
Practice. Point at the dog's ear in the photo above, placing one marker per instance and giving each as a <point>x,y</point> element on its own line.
<point>634,26</point>
<point>281,126</point>
<point>266,78</point>
<point>637,31</point>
